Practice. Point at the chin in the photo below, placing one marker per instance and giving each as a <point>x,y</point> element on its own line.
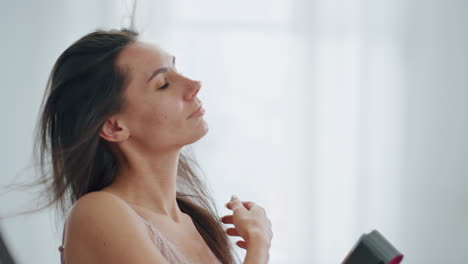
<point>200,133</point>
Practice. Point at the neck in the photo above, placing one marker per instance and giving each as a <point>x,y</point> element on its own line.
<point>150,182</point>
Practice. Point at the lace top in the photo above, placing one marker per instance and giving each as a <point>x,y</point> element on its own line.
<point>170,251</point>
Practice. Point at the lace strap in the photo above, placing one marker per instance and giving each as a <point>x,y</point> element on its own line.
<point>168,249</point>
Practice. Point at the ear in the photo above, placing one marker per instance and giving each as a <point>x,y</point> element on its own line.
<point>114,130</point>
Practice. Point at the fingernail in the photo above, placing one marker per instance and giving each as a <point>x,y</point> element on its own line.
<point>234,197</point>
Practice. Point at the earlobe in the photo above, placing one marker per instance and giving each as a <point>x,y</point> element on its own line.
<point>113,131</point>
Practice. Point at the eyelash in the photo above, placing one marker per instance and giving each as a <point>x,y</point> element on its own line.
<point>167,84</point>
<point>164,86</point>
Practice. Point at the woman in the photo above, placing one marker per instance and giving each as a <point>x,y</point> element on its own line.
<point>115,118</point>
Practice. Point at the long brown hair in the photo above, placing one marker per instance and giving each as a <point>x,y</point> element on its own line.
<point>84,89</point>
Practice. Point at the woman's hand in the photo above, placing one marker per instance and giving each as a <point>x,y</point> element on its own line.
<point>250,223</point>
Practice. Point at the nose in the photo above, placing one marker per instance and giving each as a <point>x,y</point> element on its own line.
<point>193,88</point>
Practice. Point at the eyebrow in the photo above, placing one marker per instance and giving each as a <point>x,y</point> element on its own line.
<point>156,72</point>
<point>160,70</point>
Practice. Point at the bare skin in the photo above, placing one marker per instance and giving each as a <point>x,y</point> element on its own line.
<point>147,137</point>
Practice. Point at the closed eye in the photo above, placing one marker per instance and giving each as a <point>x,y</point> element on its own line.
<point>164,86</point>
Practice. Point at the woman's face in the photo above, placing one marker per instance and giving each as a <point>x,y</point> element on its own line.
<point>159,101</point>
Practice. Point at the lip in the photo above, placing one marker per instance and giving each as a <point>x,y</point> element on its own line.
<point>199,112</point>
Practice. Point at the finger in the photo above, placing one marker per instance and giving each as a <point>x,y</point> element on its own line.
<point>227,219</point>
<point>248,205</point>
<point>232,232</point>
<point>235,203</point>
<point>241,244</point>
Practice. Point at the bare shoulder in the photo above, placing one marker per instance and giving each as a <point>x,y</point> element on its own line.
<point>98,204</point>
<point>102,228</point>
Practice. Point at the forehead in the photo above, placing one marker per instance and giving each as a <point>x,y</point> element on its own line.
<point>141,59</point>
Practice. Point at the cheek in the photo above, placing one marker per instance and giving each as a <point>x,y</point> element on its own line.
<point>155,117</point>
<point>164,116</point>
<point>149,116</point>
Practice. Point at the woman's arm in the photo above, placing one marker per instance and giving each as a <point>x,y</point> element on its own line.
<point>102,229</point>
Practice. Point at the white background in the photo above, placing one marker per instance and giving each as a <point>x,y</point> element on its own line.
<point>337,116</point>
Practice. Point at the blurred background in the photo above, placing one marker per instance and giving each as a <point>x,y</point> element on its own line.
<point>337,116</point>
